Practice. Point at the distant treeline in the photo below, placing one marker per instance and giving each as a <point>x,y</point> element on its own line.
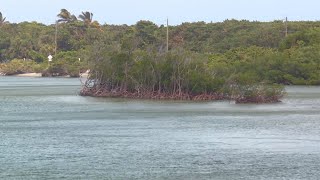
<point>35,41</point>
<point>203,58</point>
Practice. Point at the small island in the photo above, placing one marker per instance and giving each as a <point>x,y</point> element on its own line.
<point>175,75</point>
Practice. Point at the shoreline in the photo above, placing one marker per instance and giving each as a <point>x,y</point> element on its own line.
<point>29,75</point>
<point>82,75</point>
<point>91,92</point>
<point>153,95</point>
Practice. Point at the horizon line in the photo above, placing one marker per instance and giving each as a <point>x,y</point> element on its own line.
<point>177,24</point>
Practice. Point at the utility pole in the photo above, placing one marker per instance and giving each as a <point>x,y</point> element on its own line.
<point>167,35</point>
<point>55,40</point>
<point>286,24</point>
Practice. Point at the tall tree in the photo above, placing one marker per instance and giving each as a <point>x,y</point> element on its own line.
<point>86,17</point>
<point>66,16</point>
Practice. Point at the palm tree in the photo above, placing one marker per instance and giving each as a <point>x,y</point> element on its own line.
<point>66,16</point>
<point>2,20</point>
<point>86,17</point>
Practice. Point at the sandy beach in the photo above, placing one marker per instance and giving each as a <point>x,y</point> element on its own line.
<point>82,75</point>
<point>30,75</point>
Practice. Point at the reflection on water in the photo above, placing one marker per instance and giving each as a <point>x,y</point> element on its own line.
<point>49,132</point>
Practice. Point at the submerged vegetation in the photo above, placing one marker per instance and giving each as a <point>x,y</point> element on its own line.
<point>241,60</point>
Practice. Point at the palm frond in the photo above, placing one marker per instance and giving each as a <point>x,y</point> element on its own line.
<point>2,19</point>
<point>66,16</point>
<point>86,17</point>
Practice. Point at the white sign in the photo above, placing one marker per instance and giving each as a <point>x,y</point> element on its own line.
<point>50,58</point>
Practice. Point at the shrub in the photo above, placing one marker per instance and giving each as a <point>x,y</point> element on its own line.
<point>18,66</point>
<point>260,93</point>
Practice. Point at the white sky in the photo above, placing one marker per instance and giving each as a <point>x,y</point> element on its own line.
<point>178,11</point>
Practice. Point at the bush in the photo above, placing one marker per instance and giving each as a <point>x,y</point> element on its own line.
<point>259,93</point>
<point>18,66</point>
<point>55,69</point>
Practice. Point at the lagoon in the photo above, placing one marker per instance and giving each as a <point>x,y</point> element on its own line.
<point>47,131</point>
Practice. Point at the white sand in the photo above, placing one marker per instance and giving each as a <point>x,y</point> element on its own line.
<point>29,75</point>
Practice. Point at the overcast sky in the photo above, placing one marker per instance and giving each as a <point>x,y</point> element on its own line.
<point>178,11</point>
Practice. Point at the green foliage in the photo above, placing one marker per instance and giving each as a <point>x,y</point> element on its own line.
<point>258,93</point>
<point>55,69</point>
<point>36,56</point>
<point>307,37</point>
<point>65,63</point>
<point>146,30</point>
<point>18,66</point>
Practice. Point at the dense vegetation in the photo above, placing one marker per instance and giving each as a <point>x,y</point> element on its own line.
<point>230,59</point>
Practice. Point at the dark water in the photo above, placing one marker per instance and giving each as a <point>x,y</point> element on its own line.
<point>48,132</point>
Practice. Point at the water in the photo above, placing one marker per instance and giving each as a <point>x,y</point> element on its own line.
<point>47,131</point>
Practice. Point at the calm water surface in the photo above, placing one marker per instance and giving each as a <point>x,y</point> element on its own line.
<point>49,132</point>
